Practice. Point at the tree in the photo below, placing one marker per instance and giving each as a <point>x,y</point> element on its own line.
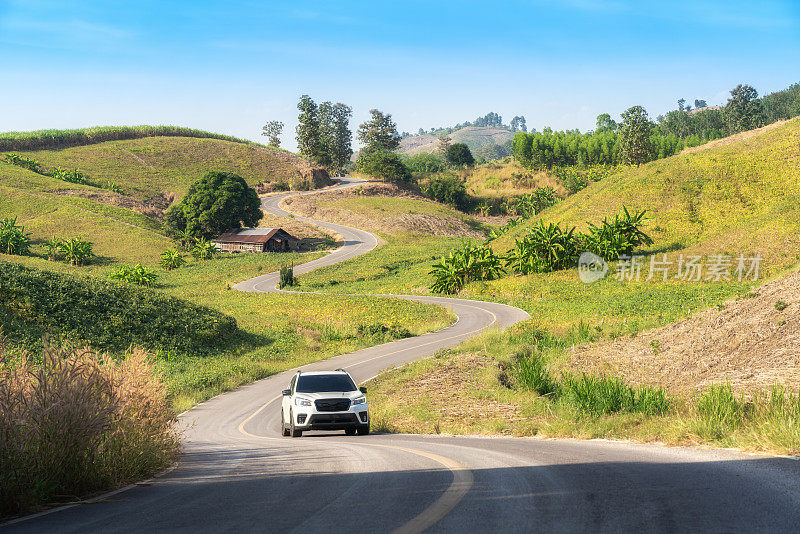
<point>458,154</point>
<point>605,123</point>
<point>383,164</point>
<point>681,102</point>
<point>444,143</point>
<point>308,141</point>
<point>342,146</point>
<point>217,202</point>
<point>744,110</point>
<point>380,132</point>
<point>635,131</point>
<point>273,130</point>
<point>518,123</point>
<point>700,104</point>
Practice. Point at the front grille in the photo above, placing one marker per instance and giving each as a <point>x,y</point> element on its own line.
<point>332,405</point>
<point>338,418</point>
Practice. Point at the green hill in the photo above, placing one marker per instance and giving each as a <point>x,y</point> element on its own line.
<point>736,195</point>
<point>479,139</point>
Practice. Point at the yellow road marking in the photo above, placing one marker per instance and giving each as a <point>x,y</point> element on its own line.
<point>462,477</point>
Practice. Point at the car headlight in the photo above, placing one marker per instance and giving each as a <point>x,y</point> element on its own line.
<point>360,400</point>
<point>302,402</point>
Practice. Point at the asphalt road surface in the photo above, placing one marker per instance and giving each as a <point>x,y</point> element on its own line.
<point>239,475</point>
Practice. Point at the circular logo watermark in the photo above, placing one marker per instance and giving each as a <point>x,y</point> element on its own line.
<point>591,267</point>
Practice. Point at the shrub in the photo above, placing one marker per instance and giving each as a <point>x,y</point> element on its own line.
<point>74,422</point>
<point>13,239</point>
<point>203,249</point>
<point>137,274</point>
<point>619,237</point>
<point>448,189</point>
<point>467,264</point>
<point>172,259</point>
<point>53,246</point>
<point>458,154</point>
<point>384,165</point>
<point>425,163</point>
<point>75,250</point>
<point>73,176</point>
<point>22,161</point>
<point>545,248</point>
<point>104,314</point>
<point>286,276</point>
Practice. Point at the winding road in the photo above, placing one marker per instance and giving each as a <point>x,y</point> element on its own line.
<point>239,475</point>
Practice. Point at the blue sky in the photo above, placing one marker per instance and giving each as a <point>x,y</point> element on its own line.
<point>231,66</point>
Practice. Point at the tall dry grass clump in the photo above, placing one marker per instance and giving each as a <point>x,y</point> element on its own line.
<point>75,421</point>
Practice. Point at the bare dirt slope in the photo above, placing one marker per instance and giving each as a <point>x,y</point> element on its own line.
<point>753,342</point>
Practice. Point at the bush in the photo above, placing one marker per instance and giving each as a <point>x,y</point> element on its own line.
<point>137,274</point>
<point>216,203</point>
<point>172,259</point>
<point>467,264</point>
<point>204,249</point>
<point>13,239</point>
<point>721,411</point>
<point>74,422</point>
<point>545,248</point>
<point>448,189</point>
<point>22,161</point>
<point>458,154</point>
<point>75,250</point>
<point>104,314</point>
<point>286,276</point>
<point>425,163</point>
<point>620,237</point>
<point>384,165</point>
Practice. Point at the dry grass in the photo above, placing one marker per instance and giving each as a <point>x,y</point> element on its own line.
<point>751,343</point>
<point>503,180</point>
<point>387,209</point>
<point>74,422</point>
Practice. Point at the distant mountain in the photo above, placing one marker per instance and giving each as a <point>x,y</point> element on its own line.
<point>481,140</point>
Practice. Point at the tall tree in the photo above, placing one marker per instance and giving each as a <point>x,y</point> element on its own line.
<point>605,123</point>
<point>699,103</point>
<point>444,142</point>
<point>380,132</point>
<point>273,130</point>
<point>337,137</point>
<point>744,110</point>
<point>308,133</point>
<point>635,131</point>
<point>681,102</point>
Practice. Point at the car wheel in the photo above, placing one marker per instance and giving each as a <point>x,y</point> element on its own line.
<point>363,430</point>
<point>350,431</point>
<point>284,428</point>
<point>294,432</point>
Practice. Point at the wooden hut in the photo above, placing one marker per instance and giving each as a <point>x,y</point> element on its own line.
<point>256,240</point>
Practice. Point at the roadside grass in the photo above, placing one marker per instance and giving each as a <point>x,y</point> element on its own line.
<point>149,167</point>
<point>477,388</point>
<point>400,266</point>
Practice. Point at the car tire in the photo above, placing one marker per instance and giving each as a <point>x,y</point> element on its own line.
<point>350,431</point>
<point>363,430</point>
<point>284,428</point>
<point>294,432</point>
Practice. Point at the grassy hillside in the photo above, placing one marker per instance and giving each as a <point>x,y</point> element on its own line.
<point>475,137</point>
<point>740,195</point>
<point>150,167</point>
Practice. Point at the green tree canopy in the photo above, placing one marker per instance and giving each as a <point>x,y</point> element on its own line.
<point>380,132</point>
<point>459,154</point>
<point>308,135</point>
<point>273,130</point>
<point>217,202</point>
<point>744,110</point>
<point>635,132</point>
<point>383,164</point>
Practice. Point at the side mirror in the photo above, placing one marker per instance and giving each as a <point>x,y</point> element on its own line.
<point>362,389</point>
<point>286,392</point>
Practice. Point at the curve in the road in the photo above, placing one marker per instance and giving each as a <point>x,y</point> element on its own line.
<point>237,475</point>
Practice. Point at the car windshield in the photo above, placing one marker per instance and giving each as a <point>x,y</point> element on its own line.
<point>318,383</point>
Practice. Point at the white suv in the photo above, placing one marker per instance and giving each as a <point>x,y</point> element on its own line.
<point>324,400</point>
